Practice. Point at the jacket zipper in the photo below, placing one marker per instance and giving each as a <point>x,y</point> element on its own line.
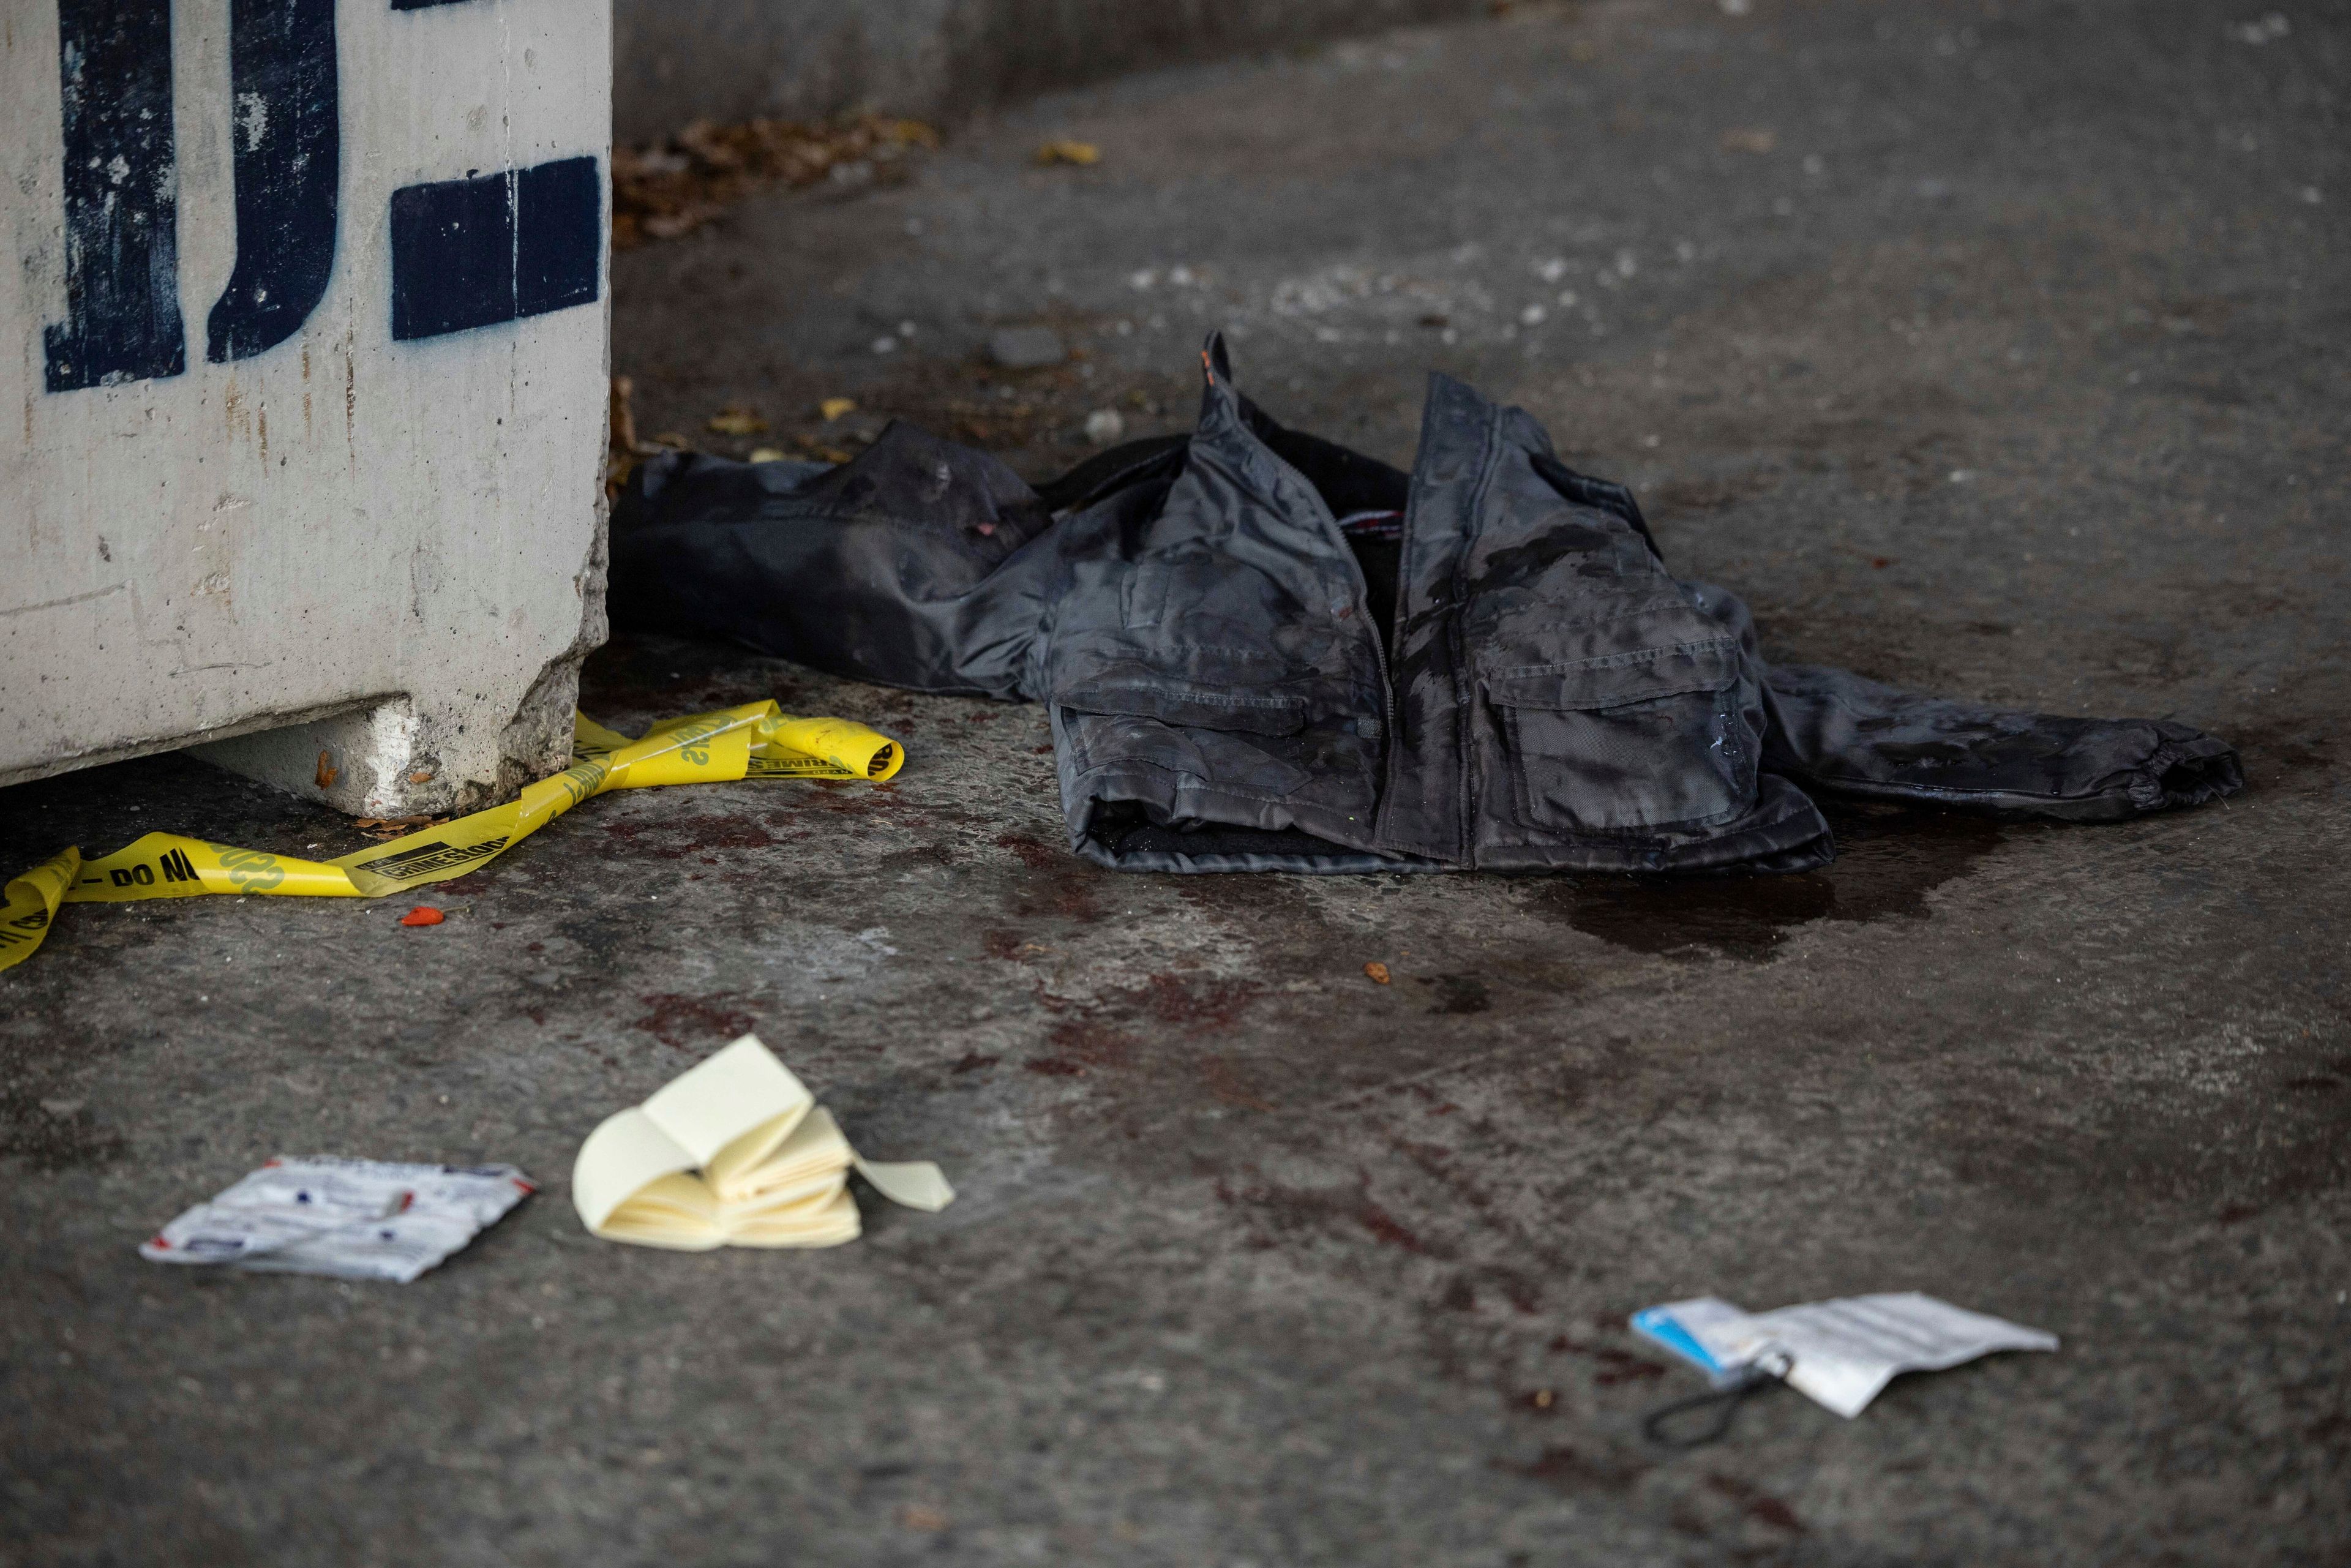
<point>1464,848</point>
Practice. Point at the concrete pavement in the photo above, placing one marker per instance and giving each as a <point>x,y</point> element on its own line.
<point>1992,350</point>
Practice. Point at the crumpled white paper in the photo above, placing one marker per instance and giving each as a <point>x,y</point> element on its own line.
<point>353,1219</point>
<point>1839,1354</point>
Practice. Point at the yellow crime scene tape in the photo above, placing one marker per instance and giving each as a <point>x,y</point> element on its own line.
<point>756,740</point>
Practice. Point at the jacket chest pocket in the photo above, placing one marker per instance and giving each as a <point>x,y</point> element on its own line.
<point>1625,742</point>
<point>1237,739</point>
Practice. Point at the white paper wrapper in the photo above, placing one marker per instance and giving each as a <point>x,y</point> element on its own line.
<point>353,1219</point>
<point>1840,1352</point>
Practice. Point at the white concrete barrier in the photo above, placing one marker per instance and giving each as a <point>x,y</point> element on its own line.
<point>302,386</point>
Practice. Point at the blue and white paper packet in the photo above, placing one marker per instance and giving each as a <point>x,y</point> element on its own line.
<point>1678,1326</point>
<point>1839,1354</point>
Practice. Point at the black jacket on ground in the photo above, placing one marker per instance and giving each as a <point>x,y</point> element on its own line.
<point>1504,678</point>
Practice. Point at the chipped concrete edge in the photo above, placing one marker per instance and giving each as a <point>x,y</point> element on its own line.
<point>383,758</point>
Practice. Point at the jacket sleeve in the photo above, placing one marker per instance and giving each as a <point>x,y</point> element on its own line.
<point>1836,733</point>
<point>920,564</point>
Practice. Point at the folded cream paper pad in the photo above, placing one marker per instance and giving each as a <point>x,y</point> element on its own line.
<point>774,1165</point>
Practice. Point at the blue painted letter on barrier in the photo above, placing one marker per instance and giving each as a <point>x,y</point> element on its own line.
<point>473,252</point>
<point>285,146</point>
<point>122,198</point>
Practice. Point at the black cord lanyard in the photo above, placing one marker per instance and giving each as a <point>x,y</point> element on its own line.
<point>1768,1371</point>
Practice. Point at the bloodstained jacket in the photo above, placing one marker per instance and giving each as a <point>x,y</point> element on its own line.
<point>1263,652</point>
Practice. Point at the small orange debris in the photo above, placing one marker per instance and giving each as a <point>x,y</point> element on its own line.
<point>422,915</point>
<point>1067,151</point>
<point>1377,971</point>
<point>328,771</point>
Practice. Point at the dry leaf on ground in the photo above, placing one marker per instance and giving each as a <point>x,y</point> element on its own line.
<point>673,187</point>
<point>621,451</point>
<point>1065,152</point>
<point>736,421</point>
<point>395,827</point>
